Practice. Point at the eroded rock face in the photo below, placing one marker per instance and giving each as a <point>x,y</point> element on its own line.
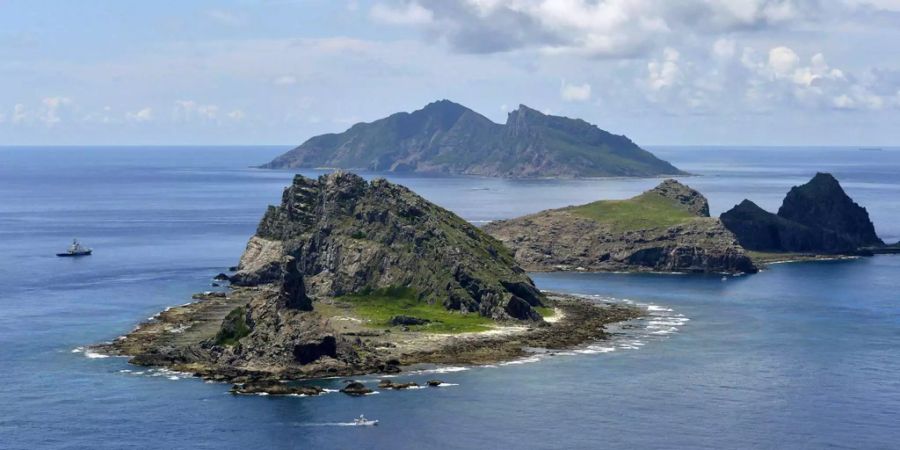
<point>691,199</point>
<point>560,240</point>
<point>815,217</point>
<point>340,235</point>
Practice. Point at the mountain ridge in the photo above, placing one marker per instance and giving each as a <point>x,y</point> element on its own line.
<point>448,138</point>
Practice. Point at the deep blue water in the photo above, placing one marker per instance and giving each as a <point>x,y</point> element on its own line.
<point>803,355</point>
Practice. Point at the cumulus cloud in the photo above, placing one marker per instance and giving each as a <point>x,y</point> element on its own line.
<point>664,73</point>
<point>142,115</point>
<point>783,61</point>
<point>236,115</point>
<point>52,109</point>
<point>190,110</point>
<point>610,28</point>
<point>575,92</point>
<point>760,80</point>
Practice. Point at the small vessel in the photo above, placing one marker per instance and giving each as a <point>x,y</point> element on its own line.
<point>361,421</point>
<point>76,249</point>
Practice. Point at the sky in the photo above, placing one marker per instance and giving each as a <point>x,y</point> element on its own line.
<point>254,72</point>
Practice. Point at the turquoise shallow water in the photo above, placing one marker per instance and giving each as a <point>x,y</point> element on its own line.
<point>801,355</point>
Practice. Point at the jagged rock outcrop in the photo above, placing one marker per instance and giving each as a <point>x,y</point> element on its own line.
<point>664,229</point>
<point>817,217</point>
<point>448,138</point>
<point>339,235</point>
<point>693,201</point>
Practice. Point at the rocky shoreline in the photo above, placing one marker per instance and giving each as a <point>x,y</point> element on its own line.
<point>177,339</point>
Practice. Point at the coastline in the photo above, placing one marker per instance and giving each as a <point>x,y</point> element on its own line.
<point>178,339</point>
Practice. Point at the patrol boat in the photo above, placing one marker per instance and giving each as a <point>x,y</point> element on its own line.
<point>76,249</point>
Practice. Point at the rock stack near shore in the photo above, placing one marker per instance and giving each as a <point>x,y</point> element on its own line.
<point>816,217</point>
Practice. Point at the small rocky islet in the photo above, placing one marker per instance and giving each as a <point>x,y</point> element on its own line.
<point>666,229</point>
<point>348,277</point>
<point>817,217</point>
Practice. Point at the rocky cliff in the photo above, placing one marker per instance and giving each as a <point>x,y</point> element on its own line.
<point>665,229</point>
<point>448,138</point>
<point>340,235</point>
<point>817,217</point>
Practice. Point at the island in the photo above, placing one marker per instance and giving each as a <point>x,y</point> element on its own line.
<point>666,229</point>
<point>349,277</point>
<point>816,218</point>
<point>448,138</point>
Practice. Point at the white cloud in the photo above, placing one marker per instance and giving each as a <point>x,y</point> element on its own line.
<point>190,110</point>
<point>783,61</point>
<point>52,109</point>
<point>575,92</point>
<point>142,115</point>
<point>609,28</point>
<point>411,13</point>
<point>236,115</point>
<point>664,73</point>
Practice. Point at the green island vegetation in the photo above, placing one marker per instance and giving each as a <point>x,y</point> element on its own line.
<point>234,327</point>
<point>644,212</point>
<point>378,306</point>
<point>545,311</point>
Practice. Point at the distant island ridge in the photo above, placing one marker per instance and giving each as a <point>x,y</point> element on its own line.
<point>448,138</point>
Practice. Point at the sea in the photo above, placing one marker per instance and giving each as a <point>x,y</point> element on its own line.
<point>801,355</point>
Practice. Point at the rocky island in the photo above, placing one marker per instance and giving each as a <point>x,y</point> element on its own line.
<point>448,138</point>
<point>815,218</point>
<point>349,277</point>
<point>665,229</point>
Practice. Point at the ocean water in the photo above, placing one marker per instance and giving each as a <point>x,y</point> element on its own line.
<point>802,355</point>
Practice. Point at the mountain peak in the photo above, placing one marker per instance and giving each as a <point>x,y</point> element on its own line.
<point>823,203</point>
<point>443,104</point>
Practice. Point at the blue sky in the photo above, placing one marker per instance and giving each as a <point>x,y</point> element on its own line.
<point>744,72</point>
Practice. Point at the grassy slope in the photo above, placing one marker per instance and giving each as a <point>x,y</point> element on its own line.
<point>379,306</point>
<point>646,211</point>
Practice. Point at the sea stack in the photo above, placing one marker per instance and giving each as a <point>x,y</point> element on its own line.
<point>817,217</point>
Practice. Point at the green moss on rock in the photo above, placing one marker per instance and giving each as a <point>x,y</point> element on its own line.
<point>234,327</point>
